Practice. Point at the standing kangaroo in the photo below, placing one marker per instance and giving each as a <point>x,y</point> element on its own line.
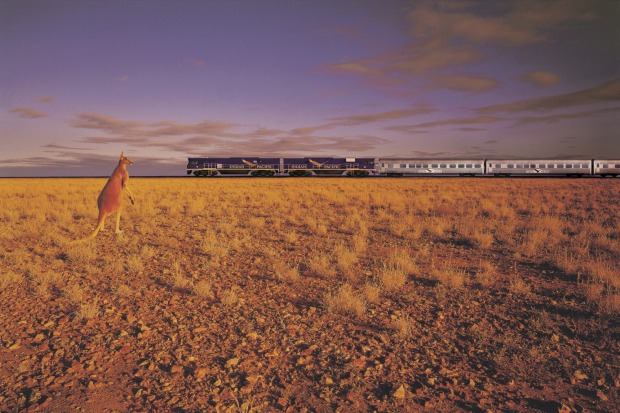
<point>111,197</point>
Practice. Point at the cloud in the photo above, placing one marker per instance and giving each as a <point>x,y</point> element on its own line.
<point>364,119</point>
<point>541,78</point>
<point>562,116</point>
<point>105,123</point>
<point>606,92</point>
<point>228,138</point>
<point>476,120</point>
<point>430,57</point>
<point>381,116</point>
<point>468,83</point>
<point>443,35</point>
<point>51,147</point>
<point>129,129</point>
<point>46,99</point>
<point>360,67</point>
<point>28,113</point>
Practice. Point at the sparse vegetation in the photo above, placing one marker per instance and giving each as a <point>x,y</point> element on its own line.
<point>312,294</point>
<point>345,301</point>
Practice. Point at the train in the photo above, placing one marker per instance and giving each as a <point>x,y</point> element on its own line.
<point>396,167</point>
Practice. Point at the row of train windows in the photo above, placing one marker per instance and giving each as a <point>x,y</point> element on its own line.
<point>608,165</point>
<point>434,165</point>
<point>548,166</point>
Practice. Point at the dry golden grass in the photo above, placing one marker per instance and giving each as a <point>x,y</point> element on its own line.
<point>345,301</point>
<point>203,289</point>
<point>403,325</point>
<point>229,297</point>
<point>286,272</point>
<point>277,266</point>
<point>9,278</point>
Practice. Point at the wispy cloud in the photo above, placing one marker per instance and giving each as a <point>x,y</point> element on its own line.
<point>28,113</point>
<point>46,99</point>
<point>382,116</point>
<point>563,116</point>
<point>468,83</point>
<point>475,120</point>
<point>52,147</point>
<point>367,118</point>
<point>541,78</point>
<point>606,92</point>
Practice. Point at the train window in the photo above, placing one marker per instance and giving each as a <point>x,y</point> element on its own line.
<point>477,165</point>
<point>452,165</point>
<point>561,166</point>
<point>434,165</point>
<point>511,165</point>
<point>461,165</point>
<point>468,165</point>
<point>443,165</point>
<point>550,166</point>
<point>605,165</point>
<point>569,166</point>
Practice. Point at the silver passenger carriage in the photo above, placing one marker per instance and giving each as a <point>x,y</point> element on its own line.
<point>426,167</point>
<point>532,167</point>
<point>607,167</point>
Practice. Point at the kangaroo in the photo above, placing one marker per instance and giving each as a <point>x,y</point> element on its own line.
<point>111,197</point>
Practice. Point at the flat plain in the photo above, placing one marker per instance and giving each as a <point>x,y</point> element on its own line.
<point>316,295</point>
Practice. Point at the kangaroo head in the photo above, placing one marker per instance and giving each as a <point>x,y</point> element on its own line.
<point>125,160</point>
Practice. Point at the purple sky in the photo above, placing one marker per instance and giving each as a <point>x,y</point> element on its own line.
<point>81,81</point>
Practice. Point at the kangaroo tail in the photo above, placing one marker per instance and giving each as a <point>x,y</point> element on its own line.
<point>100,222</point>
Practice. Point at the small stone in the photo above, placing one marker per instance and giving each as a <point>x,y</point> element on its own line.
<point>601,395</point>
<point>564,409</point>
<point>232,362</point>
<point>400,392</point>
<point>200,373</point>
<point>579,375</point>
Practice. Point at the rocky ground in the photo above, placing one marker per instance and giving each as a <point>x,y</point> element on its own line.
<point>155,320</point>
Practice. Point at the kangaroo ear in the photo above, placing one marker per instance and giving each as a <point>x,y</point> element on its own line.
<point>122,155</point>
